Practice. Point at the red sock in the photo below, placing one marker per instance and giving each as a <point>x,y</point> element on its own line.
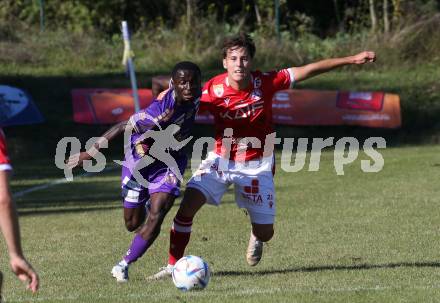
<point>179,238</point>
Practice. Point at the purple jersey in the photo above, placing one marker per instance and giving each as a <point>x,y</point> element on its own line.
<point>159,115</point>
<point>162,112</point>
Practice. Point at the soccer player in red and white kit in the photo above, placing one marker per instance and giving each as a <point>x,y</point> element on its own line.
<point>241,103</point>
<point>9,225</point>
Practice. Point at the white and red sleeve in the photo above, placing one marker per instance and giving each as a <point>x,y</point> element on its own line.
<point>282,79</point>
<point>4,159</point>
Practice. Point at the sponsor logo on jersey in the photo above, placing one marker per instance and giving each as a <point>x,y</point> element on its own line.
<point>243,111</point>
<point>218,90</point>
<point>256,94</point>
<point>141,149</point>
<point>227,101</point>
<point>257,82</point>
<point>251,193</point>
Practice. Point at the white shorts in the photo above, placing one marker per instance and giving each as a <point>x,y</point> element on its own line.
<point>253,184</point>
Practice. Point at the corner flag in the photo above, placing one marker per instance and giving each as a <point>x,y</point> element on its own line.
<point>127,61</point>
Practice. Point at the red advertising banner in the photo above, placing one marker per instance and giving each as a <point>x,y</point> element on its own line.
<point>312,107</point>
<point>106,106</point>
<point>290,107</point>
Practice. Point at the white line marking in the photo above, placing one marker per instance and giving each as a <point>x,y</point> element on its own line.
<point>56,182</point>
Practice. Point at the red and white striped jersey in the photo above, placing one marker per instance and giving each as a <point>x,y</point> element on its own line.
<point>248,112</point>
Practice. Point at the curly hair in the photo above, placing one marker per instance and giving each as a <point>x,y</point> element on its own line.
<point>186,65</point>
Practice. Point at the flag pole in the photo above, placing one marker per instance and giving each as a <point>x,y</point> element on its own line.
<point>127,60</point>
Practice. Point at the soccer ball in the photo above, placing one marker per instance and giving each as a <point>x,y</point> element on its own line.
<point>191,272</point>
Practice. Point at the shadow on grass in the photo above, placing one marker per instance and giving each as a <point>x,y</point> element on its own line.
<point>432,264</point>
<point>57,201</point>
<point>43,206</point>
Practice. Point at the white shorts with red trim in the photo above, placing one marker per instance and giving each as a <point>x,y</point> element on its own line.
<point>253,184</point>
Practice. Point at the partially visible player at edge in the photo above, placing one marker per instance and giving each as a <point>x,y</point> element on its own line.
<point>9,225</point>
<point>241,100</point>
<point>177,105</point>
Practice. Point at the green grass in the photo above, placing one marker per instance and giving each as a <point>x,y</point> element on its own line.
<point>353,238</point>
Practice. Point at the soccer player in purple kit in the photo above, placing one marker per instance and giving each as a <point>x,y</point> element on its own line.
<point>151,189</point>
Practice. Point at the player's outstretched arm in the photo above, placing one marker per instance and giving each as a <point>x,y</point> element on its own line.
<point>307,71</point>
<point>78,159</point>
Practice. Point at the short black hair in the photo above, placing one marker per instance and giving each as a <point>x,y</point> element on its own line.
<point>186,65</point>
<point>239,40</point>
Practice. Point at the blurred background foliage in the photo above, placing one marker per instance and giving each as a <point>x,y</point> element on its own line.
<point>320,17</point>
<point>169,30</point>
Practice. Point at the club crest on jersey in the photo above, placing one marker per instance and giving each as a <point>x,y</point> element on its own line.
<point>256,94</point>
<point>257,82</point>
<point>218,90</point>
<point>171,179</point>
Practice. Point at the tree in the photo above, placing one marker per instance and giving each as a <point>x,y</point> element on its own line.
<point>338,15</point>
<point>396,11</point>
<point>386,21</point>
<point>257,13</point>
<point>373,16</point>
<point>189,12</point>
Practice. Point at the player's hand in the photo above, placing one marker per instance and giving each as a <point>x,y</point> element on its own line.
<point>77,159</point>
<point>364,57</point>
<point>24,271</point>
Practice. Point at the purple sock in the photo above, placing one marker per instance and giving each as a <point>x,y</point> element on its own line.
<point>137,248</point>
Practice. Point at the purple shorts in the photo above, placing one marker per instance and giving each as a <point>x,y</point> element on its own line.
<point>157,177</point>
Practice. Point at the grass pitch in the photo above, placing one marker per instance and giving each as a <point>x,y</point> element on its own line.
<point>353,238</point>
